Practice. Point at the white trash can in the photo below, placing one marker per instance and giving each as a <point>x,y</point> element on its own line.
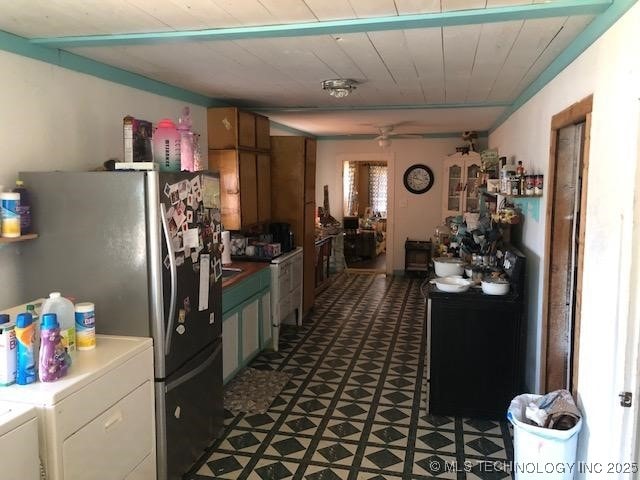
<point>541,453</point>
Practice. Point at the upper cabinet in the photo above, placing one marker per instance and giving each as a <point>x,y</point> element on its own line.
<point>239,148</point>
<point>460,191</point>
<point>230,127</point>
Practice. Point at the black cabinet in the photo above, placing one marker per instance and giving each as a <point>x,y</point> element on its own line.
<point>475,353</point>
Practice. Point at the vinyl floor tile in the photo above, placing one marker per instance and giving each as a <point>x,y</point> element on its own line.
<point>354,408</point>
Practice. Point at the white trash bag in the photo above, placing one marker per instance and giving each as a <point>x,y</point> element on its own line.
<point>541,453</point>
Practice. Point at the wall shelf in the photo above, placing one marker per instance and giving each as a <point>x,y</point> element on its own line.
<point>22,238</point>
<point>495,194</point>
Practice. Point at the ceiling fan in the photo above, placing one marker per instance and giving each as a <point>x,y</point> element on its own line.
<point>386,134</point>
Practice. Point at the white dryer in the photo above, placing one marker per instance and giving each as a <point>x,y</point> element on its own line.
<point>19,441</point>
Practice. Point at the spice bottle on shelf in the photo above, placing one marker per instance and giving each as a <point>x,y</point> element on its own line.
<point>24,207</point>
<point>10,216</point>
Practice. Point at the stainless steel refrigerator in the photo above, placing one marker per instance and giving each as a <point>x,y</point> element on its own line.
<point>144,247</point>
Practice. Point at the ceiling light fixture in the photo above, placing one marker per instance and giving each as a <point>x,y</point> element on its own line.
<point>339,87</point>
<point>384,142</point>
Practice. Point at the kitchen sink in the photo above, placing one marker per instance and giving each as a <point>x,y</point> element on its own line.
<point>228,272</point>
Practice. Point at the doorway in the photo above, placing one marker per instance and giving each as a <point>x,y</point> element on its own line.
<point>365,207</point>
<point>564,245</point>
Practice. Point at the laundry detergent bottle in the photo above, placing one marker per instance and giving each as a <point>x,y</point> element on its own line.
<point>54,360</point>
<point>26,363</point>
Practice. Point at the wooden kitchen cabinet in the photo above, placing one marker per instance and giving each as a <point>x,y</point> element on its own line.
<point>460,189</point>
<point>239,145</point>
<point>230,127</point>
<point>245,187</point>
<point>293,174</point>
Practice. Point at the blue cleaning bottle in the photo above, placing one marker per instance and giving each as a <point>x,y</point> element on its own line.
<point>25,335</point>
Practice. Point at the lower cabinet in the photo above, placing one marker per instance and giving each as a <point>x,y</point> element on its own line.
<point>475,367</point>
<point>246,322</point>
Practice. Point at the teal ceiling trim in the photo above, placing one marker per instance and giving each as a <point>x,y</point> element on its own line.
<point>560,8</point>
<point>350,108</point>
<point>291,130</point>
<point>584,40</point>
<point>22,46</point>
<point>434,136</point>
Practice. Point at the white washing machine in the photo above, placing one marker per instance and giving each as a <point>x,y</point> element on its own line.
<point>19,456</point>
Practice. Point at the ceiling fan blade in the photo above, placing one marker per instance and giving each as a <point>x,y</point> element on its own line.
<point>407,135</point>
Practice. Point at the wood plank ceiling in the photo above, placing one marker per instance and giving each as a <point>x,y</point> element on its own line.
<point>488,64</point>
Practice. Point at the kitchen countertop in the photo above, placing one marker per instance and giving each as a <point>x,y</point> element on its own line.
<point>248,269</point>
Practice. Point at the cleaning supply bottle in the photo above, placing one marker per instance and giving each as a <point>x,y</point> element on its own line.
<point>7,351</point>
<point>24,209</point>
<point>36,330</point>
<point>26,364</point>
<point>53,361</point>
<point>66,315</point>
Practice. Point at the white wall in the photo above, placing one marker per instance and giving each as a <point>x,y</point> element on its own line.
<point>610,70</point>
<point>56,119</point>
<point>415,216</point>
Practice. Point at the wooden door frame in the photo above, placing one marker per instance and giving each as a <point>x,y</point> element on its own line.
<point>376,157</point>
<point>577,113</point>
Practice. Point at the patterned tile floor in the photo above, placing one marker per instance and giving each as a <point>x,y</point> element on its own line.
<point>355,406</point>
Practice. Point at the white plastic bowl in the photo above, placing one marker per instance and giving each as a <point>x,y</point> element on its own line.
<point>452,284</point>
<point>447,266</point>
<point>495,286</point>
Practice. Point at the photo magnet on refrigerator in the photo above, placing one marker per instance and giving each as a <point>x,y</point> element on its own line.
<point>174,197</point>
<point>195,184</point>
<point>186,303</point>
<point>217,268</point>
<point>182,315</point>
<point>179,260</point>
<point>183,189</point>
<point>167,190</point>
<point>180,329</point>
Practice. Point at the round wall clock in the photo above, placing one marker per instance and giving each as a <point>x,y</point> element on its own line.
<point>418,178</point>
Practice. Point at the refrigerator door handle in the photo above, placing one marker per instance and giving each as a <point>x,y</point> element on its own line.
<point>173,270</point>
<point>195,372</point>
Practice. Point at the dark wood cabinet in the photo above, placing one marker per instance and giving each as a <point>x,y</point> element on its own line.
<point>293,174</point>
<point>475,354</point>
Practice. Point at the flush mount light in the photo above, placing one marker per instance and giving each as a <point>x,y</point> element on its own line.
<point>339,87</point>
<point>384,142</point>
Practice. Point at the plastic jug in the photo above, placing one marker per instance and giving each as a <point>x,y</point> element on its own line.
<point>186,140</point>
<point>66,316</point>
<point>166,146</point>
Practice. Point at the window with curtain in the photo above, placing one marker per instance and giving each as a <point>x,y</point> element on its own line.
<point>378,189</point>
<point>350,193</point>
